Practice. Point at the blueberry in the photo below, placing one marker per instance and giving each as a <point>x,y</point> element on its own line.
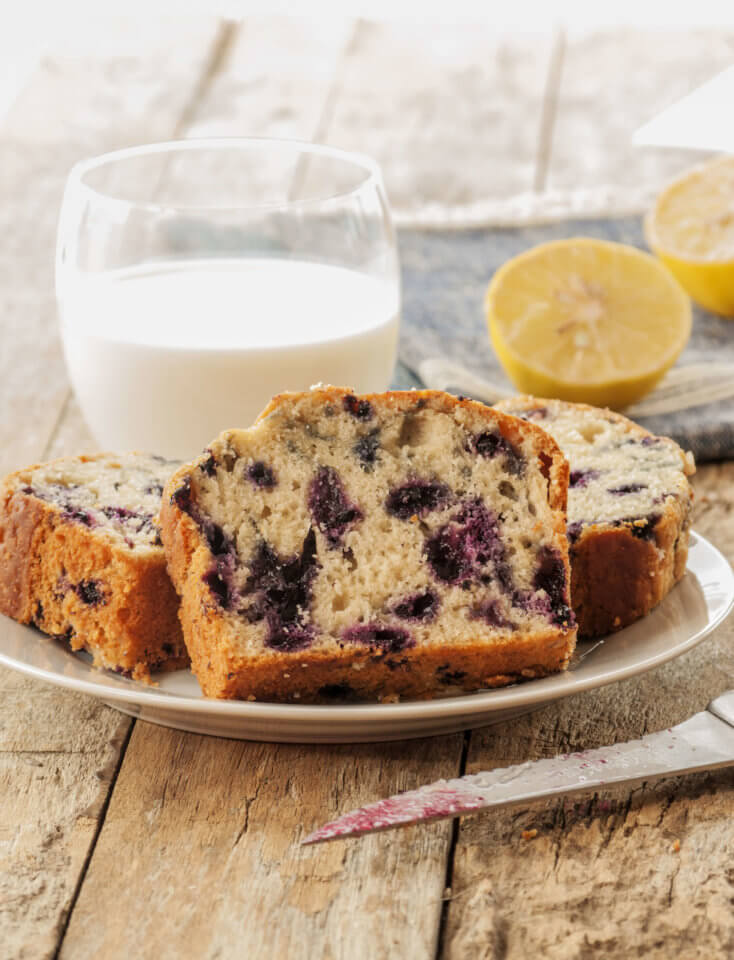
<point>627,488</point>
<point>377,635</point>
<point>581,478</point>
<point>550,576</point>
<point>491,444</point>
<point>218,541</point>
<point>491,614</point>
<point>331,509</point>
<point>418,606</point>
<point>120,513</point>
<point>573,531</point>
<point>447,555</point>
<point>416,498</point>
<point>449,677</point>
<point>366,448</point>
<point>288,637</point>
<point>79,515</point>
<point>402,664</point>
<point>209,466</point>
<point>261,475</point>
<point>154,489</point>
<point>283,593</point>
<point>649,441</point>
<point>644,531</point>
<point>90,592</point>
<point>181,497</point>
<point>360,409</point>
<point>468,542</point>
<point>219,586</point>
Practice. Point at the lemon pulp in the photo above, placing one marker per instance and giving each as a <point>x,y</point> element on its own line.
<point>691,229</point>
<point>587,320</point>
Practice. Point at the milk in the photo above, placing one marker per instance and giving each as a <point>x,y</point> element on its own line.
<point>163,358</point>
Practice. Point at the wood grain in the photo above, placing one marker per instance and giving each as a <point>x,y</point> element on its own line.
<point>613,81</point>
<point>603,876</point>
<point>58,757</point>
<point>215,870</point>
<point>276,80</point>
<point>452,112</point>
<point>59,752</point>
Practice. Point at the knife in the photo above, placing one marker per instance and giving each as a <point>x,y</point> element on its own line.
<point>704,742</point>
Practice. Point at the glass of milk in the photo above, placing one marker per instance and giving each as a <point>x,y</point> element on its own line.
<point>198,278</point>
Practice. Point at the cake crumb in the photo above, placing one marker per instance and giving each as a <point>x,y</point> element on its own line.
<point>251,698</point>
<point>676,846</point>
<point>529,834</point>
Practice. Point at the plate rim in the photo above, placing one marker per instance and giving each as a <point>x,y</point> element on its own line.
<point>469,704</point>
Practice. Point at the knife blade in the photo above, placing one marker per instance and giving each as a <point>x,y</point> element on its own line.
<point>703,742</point>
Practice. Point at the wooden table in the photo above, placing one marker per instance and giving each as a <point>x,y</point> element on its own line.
<point>123,839</point>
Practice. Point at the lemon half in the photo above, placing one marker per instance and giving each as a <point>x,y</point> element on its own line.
<point>691,229</point>
<point>587,320</point>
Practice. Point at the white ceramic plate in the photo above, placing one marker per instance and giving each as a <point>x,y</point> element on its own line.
<point>694,607</point>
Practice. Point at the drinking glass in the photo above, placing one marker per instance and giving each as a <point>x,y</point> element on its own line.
<point>196,279</point>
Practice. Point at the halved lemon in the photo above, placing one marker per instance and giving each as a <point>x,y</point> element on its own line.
<point>691,229</point>
<point>587,320</point>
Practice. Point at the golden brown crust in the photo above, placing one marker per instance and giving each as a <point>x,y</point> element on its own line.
<point>617,577</point>
<point>44,558</point>
<point>225,672</point>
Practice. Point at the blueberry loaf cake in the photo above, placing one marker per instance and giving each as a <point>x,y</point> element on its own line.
<point>81,558</point>
<point>398,544</point>
<point>629,504</point>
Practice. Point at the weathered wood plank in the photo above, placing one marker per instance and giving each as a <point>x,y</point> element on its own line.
<point>603,876</point>
<point>59,752</point>
<point>276,79</point>
<point>612,82</point>
<point>58,755</point>
<point>214,870</point>
<point>452,112</point>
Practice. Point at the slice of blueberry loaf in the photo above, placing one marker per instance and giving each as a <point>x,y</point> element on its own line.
<point>397,544</point>
<point>629,504</point>
<point>81,558</point>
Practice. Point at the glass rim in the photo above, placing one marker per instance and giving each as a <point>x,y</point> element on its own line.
<point>75,178</point>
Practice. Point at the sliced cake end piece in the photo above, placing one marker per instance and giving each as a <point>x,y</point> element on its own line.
<point>398,544</point>
<point>629,505</point>
<point>81,558</point>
